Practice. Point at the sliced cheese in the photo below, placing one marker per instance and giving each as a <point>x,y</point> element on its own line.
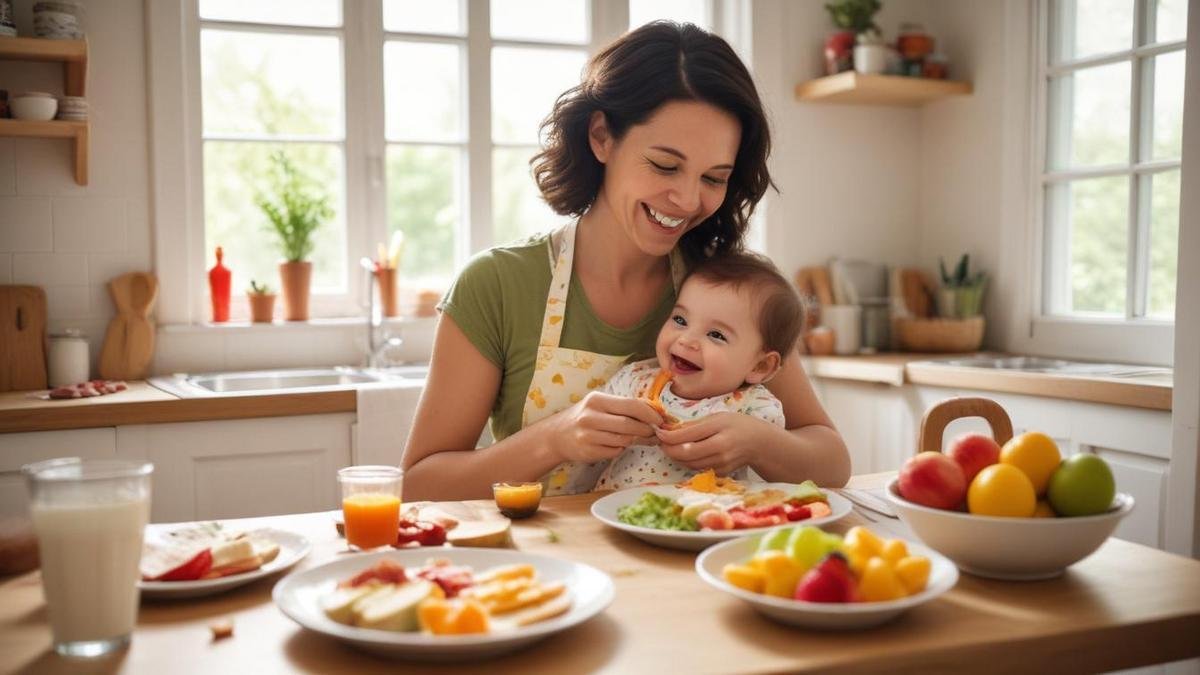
<point>230,552</point>
<point>339,606</point>
<point>394,611</point>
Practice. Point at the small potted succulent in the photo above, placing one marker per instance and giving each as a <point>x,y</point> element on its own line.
<point>961,295</point>
<point>853,18</point>
<point>262,302</point>
<point>295,211</point>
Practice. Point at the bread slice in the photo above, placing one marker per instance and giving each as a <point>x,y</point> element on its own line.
<point>553,607</point>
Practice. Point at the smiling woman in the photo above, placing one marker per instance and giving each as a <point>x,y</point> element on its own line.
<point>660,153</point>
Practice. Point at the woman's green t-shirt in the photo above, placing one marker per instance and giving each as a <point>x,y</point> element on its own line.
<point>498,302</point>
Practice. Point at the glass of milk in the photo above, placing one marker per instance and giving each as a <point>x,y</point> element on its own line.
<point>89,516</point>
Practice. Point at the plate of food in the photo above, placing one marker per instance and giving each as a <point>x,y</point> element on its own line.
<point>448,605</point>
<point>803,576</point>
<point>705,509</point>
<point>187,560</point>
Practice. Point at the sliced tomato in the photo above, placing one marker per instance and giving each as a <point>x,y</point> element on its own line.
<point>452,578</point>
<point>196,567</point>
<point>794,513</point>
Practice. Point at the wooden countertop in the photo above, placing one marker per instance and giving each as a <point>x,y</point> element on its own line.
<point>902,368</point>
<point>1124,606</point>
<point>143,403</point>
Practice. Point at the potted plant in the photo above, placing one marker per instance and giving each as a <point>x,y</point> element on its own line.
<point>295,210</point>
<point>262,302</point>
<point>961,295</point>
<point>853,17</point>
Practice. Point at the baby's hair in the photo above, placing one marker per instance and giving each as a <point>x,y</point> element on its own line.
<point>780,314</point>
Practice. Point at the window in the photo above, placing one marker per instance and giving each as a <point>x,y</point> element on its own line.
<point>407,115</point>
<point>1113,78</point>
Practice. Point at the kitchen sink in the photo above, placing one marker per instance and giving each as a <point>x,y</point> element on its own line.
<point>1037,364</point>
<point>240,383</point>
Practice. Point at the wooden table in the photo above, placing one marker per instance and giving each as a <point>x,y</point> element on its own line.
<point>1126,605</point>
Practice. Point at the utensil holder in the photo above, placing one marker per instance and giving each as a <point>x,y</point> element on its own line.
<point>388,296</point>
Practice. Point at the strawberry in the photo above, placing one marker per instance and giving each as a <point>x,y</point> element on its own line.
<point>829,581</point>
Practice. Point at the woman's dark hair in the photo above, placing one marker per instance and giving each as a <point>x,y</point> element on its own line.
<point>660,62</point>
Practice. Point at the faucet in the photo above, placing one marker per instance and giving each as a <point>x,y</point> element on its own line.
<point>376,350</point>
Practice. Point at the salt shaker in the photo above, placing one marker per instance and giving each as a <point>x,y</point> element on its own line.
<point>68,358</point>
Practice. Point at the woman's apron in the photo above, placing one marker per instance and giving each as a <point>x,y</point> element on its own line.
<point>561,377</point>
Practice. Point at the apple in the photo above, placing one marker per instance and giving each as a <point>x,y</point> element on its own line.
<point>830,581</point>
<point>1082,485</point>
<point>933,479</point>
<point>973,452</point>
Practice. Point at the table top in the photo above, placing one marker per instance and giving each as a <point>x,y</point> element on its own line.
<point>1123,606</point>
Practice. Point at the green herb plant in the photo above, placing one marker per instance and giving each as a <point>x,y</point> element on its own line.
<point>259,289</point>
<point>855,15</point>
<point>968,287</point>
<point>295,209</point>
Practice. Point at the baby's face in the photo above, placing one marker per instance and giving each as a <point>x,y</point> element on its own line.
<point>711,341</point>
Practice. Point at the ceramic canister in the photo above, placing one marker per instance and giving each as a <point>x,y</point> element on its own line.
<point>68,359</point>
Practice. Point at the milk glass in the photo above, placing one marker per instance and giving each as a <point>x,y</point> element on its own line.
<point>89,516</point>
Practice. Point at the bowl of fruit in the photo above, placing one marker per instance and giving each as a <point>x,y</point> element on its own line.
<point>1004,506</point>
<point>803,576</point>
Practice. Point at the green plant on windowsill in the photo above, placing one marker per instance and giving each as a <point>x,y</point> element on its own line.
<point>295,209</point>
<point>962,292</point>
<point>259,289</point>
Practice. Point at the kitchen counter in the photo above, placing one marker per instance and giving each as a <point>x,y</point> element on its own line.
<point>145,404</point>
<point>1124,606</point>
<point>896,369</point>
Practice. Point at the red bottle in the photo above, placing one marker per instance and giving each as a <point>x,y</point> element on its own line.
<point>218,289</point>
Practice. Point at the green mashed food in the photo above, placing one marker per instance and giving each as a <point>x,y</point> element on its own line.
<point>657,512</point>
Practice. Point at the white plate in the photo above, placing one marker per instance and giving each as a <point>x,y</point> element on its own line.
<point>292,549</point>
<point>298,596</point>
<point>830,616</point>
<point>606,507</point>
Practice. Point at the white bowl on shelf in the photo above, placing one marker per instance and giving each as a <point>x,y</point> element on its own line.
<point>27,107</point>
<point>1017,549</point>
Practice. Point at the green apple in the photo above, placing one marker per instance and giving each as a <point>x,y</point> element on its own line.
<point>1082,485</point>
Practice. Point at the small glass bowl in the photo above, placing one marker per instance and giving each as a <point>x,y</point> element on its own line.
<point>517,500</point>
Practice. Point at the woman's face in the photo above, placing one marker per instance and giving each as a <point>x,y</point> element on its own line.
<point>667,175</point>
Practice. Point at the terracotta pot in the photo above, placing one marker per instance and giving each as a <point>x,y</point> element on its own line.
<point>839,47</point>
<point>262,307</point>
<point>295,278</point>
<point>386,276</point>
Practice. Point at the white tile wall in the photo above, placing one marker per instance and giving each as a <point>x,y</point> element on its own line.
<point>73,239</point>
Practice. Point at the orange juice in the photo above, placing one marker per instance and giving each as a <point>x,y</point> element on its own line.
<point>372,519</point>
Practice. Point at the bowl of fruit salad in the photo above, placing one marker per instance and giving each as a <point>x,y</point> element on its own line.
<point>1004,506</point>
<point>803,576</point>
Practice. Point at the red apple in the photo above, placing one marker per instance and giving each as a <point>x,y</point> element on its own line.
<point>933,479</point>
<point>973,452</point>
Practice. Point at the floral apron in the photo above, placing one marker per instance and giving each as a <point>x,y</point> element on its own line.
<point>561,377</point>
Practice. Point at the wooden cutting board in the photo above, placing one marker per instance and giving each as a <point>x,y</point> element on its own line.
<point>129,342</point>
<point>22,338</point>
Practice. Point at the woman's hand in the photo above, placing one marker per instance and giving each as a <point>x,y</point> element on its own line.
<point>724,442</point>
<point>601,426</point>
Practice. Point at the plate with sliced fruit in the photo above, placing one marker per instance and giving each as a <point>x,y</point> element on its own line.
<point>187,560</point>
<point>443,605</point>
<point>705,509</point>
<point>803,576</point>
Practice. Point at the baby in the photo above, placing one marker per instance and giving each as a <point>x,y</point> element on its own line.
<point>735,320</point>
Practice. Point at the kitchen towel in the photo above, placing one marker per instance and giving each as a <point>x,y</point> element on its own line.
<point>385,414</point>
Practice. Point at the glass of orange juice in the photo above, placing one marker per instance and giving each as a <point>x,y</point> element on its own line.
<point>371,504</point>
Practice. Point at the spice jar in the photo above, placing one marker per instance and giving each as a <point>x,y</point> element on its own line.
<point>913,43</point>
<point>67,358</point>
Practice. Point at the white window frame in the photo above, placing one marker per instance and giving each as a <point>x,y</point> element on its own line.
<point>1130,338</point>
<point>177,149</point>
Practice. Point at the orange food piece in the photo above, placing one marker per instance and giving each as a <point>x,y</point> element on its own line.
<point>452,617</point>
<point>654,398</point>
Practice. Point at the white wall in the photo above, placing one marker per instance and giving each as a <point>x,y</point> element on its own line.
<point>67,238</point>
<point>849,176</point>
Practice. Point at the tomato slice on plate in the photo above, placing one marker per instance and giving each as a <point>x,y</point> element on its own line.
<point>191,570</point>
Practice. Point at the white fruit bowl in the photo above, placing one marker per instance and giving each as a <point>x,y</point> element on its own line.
<point>39,108</point>
<point>821,615</point>
<point>1010,548</point>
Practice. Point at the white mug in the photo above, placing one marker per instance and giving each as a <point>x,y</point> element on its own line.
<point>846,322</point>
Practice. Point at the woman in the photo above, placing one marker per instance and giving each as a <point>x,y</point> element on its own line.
<point>661,154</point>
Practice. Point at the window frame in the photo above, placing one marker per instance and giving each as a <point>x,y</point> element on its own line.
<point>173,65</point>
<point>1134,336</point>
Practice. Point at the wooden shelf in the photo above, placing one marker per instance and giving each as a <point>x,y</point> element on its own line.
<point>73,54</point>
<point>855,89</point>
<point>76,131</point>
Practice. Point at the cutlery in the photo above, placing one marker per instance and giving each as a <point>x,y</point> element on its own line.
<point>868,501</point>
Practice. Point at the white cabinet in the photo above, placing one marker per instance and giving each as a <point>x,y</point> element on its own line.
<point>19,449</point>
<point>880,423</point>
<point>239,468</point>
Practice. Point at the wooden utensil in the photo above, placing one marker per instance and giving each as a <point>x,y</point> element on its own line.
<point>22,338</point>
<point>129,343</point>
<point>933,424</point>
<point>918,292</point>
